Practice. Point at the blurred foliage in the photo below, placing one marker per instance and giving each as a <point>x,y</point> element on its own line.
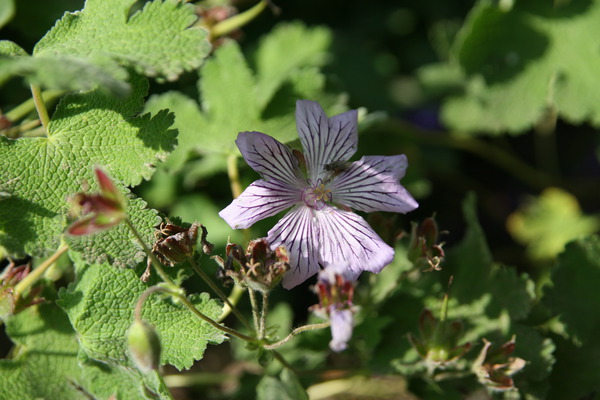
<point>495,105</point>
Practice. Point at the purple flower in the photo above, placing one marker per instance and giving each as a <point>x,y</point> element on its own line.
<point>320,228</point>
<point>335,288</point>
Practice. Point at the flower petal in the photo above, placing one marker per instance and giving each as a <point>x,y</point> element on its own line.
<point>325,140</point>
<point>341,328</point>
<point>371,184</point>
<point>345,236</point>
<point>299,234</point>
<point>260,200</point>
<point>270,158</point>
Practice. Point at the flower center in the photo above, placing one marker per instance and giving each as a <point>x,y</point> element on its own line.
<point>316,196</point>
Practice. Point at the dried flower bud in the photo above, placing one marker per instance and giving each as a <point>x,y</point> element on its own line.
<point>495,366</point>
<point>144,345</point>
<point>424,251</point>
<point>106,208</point>
<point>258,268</point>
<point>9,303</point>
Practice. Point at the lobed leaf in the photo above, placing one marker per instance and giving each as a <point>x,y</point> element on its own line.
<point>100,306</point>
<point>234,98</point>
<point>513,83</point>
<point>39,174</point>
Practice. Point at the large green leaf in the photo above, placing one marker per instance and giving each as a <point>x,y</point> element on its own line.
<point>39,174</point>
<point>84,48</point>
<point>101,303</point>
<point>523,61</point>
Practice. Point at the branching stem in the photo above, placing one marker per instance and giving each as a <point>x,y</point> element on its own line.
<point>295,332</point>
<point>219,292</point>
<point>155,263</point>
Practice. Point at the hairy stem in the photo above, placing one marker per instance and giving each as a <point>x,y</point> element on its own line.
<point>295,332</point>
<point>234,176</point>
<point>155,263</point>
<point>37,273</point>
<point>219,293</point>
<point>40,106</point>
<point>254,305</point>
<point>263,315</point>
<point>237,21</point>
<point>184,300</point>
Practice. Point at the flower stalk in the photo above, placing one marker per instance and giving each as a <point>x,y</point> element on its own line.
<point>38,272</point>
<point>40,107</point>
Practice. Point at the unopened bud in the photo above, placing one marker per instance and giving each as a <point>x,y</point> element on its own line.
<point>424,251</point>
<point>144,345</point>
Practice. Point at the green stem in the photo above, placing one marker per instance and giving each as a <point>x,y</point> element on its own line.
<point>155,263</point>
<point>263,315</point>
<point>40,106</point>
<point>230,24</point>
<point>200,315</point>
<point>234,176</point>
<point>219,293</point>
<point>283,361</point>
<point>233,298</point>
<point>18,130</point>
<point>295,332</point>
<point>26,107</point>
<point>183,299</point>
<point>37,273</point>
<point>491,153</point>
<point>254,305</point>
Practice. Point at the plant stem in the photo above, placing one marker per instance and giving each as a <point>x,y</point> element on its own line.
<point>219,292</point>
<point>40,106</point>
<point>200,315</point>
<point>230,24</point>
<point>234,176</point>
<point>263,315</point>
<point>295,332</point>
<point>26,107</point>
<point>254,305</point>
<point>181,297</point>
<point>233,298</point>
<point>155,263</point>
<point>37,273</point>
<point>495,155</point>
<point>283,361</point>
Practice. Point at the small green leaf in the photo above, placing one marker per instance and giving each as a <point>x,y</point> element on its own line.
<point>574,294</point>
<point>546,223</point>
<point>100,306</point>
<point>512,83</point>
<point>8,48</point>
<point>7,10</point>
<point>286,49</point>
<point>41,173</point>
<point>287,387</point>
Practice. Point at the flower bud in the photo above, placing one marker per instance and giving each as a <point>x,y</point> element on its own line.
<point>495,366</point>
<point>106,208</point>
<point>258,268</point>
<point>144,345</point>
<point>424,251</point>
<point>437,342</point>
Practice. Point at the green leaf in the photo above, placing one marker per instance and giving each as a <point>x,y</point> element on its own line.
<point>236,99</point>
<point>8,48</point>
<point>288,47</point>
<point>7,10</point>
<point>47,364</point>
<point>156,41</point>
<point>100,306</point>
<point>546,223</point>
<point>287,387</point>
<point>574,294</point>
<point>39,174</point>
<point>47,357</point>
<point>512,83</point>
<point>65,72</point>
